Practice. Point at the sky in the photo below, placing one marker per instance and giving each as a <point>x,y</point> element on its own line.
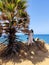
<point>38,11</point>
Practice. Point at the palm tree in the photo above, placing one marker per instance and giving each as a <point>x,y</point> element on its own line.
<point>0,29</point>
<point>15,12</point>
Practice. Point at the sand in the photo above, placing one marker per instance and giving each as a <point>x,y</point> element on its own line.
<point>39,59</point>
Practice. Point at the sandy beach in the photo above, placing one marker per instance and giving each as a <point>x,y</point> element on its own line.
<point>39,59</point>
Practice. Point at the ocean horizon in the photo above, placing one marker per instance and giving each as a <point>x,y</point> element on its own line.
<point>23,38</point>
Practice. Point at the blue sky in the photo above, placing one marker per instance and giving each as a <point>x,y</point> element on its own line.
<point>38,11</point>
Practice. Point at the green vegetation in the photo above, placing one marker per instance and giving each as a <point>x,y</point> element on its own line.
<point>15,12</point>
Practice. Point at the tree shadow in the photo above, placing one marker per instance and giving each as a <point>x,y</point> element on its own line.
<point>31,53</point>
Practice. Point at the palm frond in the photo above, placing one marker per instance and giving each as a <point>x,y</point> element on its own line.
<point>1,5</point>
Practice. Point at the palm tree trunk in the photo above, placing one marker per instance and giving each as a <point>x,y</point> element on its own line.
<point>12,38</point>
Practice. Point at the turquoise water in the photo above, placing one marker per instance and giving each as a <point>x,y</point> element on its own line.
<point>44,37</point>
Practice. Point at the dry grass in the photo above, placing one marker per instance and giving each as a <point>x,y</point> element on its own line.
<point>28,54</point>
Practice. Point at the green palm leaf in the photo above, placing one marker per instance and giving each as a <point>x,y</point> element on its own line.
<point>1,5</point>
<point>10,7</point>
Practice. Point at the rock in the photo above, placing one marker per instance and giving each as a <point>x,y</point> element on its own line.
<point>41,45</point>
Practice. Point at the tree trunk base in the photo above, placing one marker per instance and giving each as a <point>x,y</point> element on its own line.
<point>14,49</point>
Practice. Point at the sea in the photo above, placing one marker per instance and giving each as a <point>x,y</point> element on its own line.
<point>24,38</point>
